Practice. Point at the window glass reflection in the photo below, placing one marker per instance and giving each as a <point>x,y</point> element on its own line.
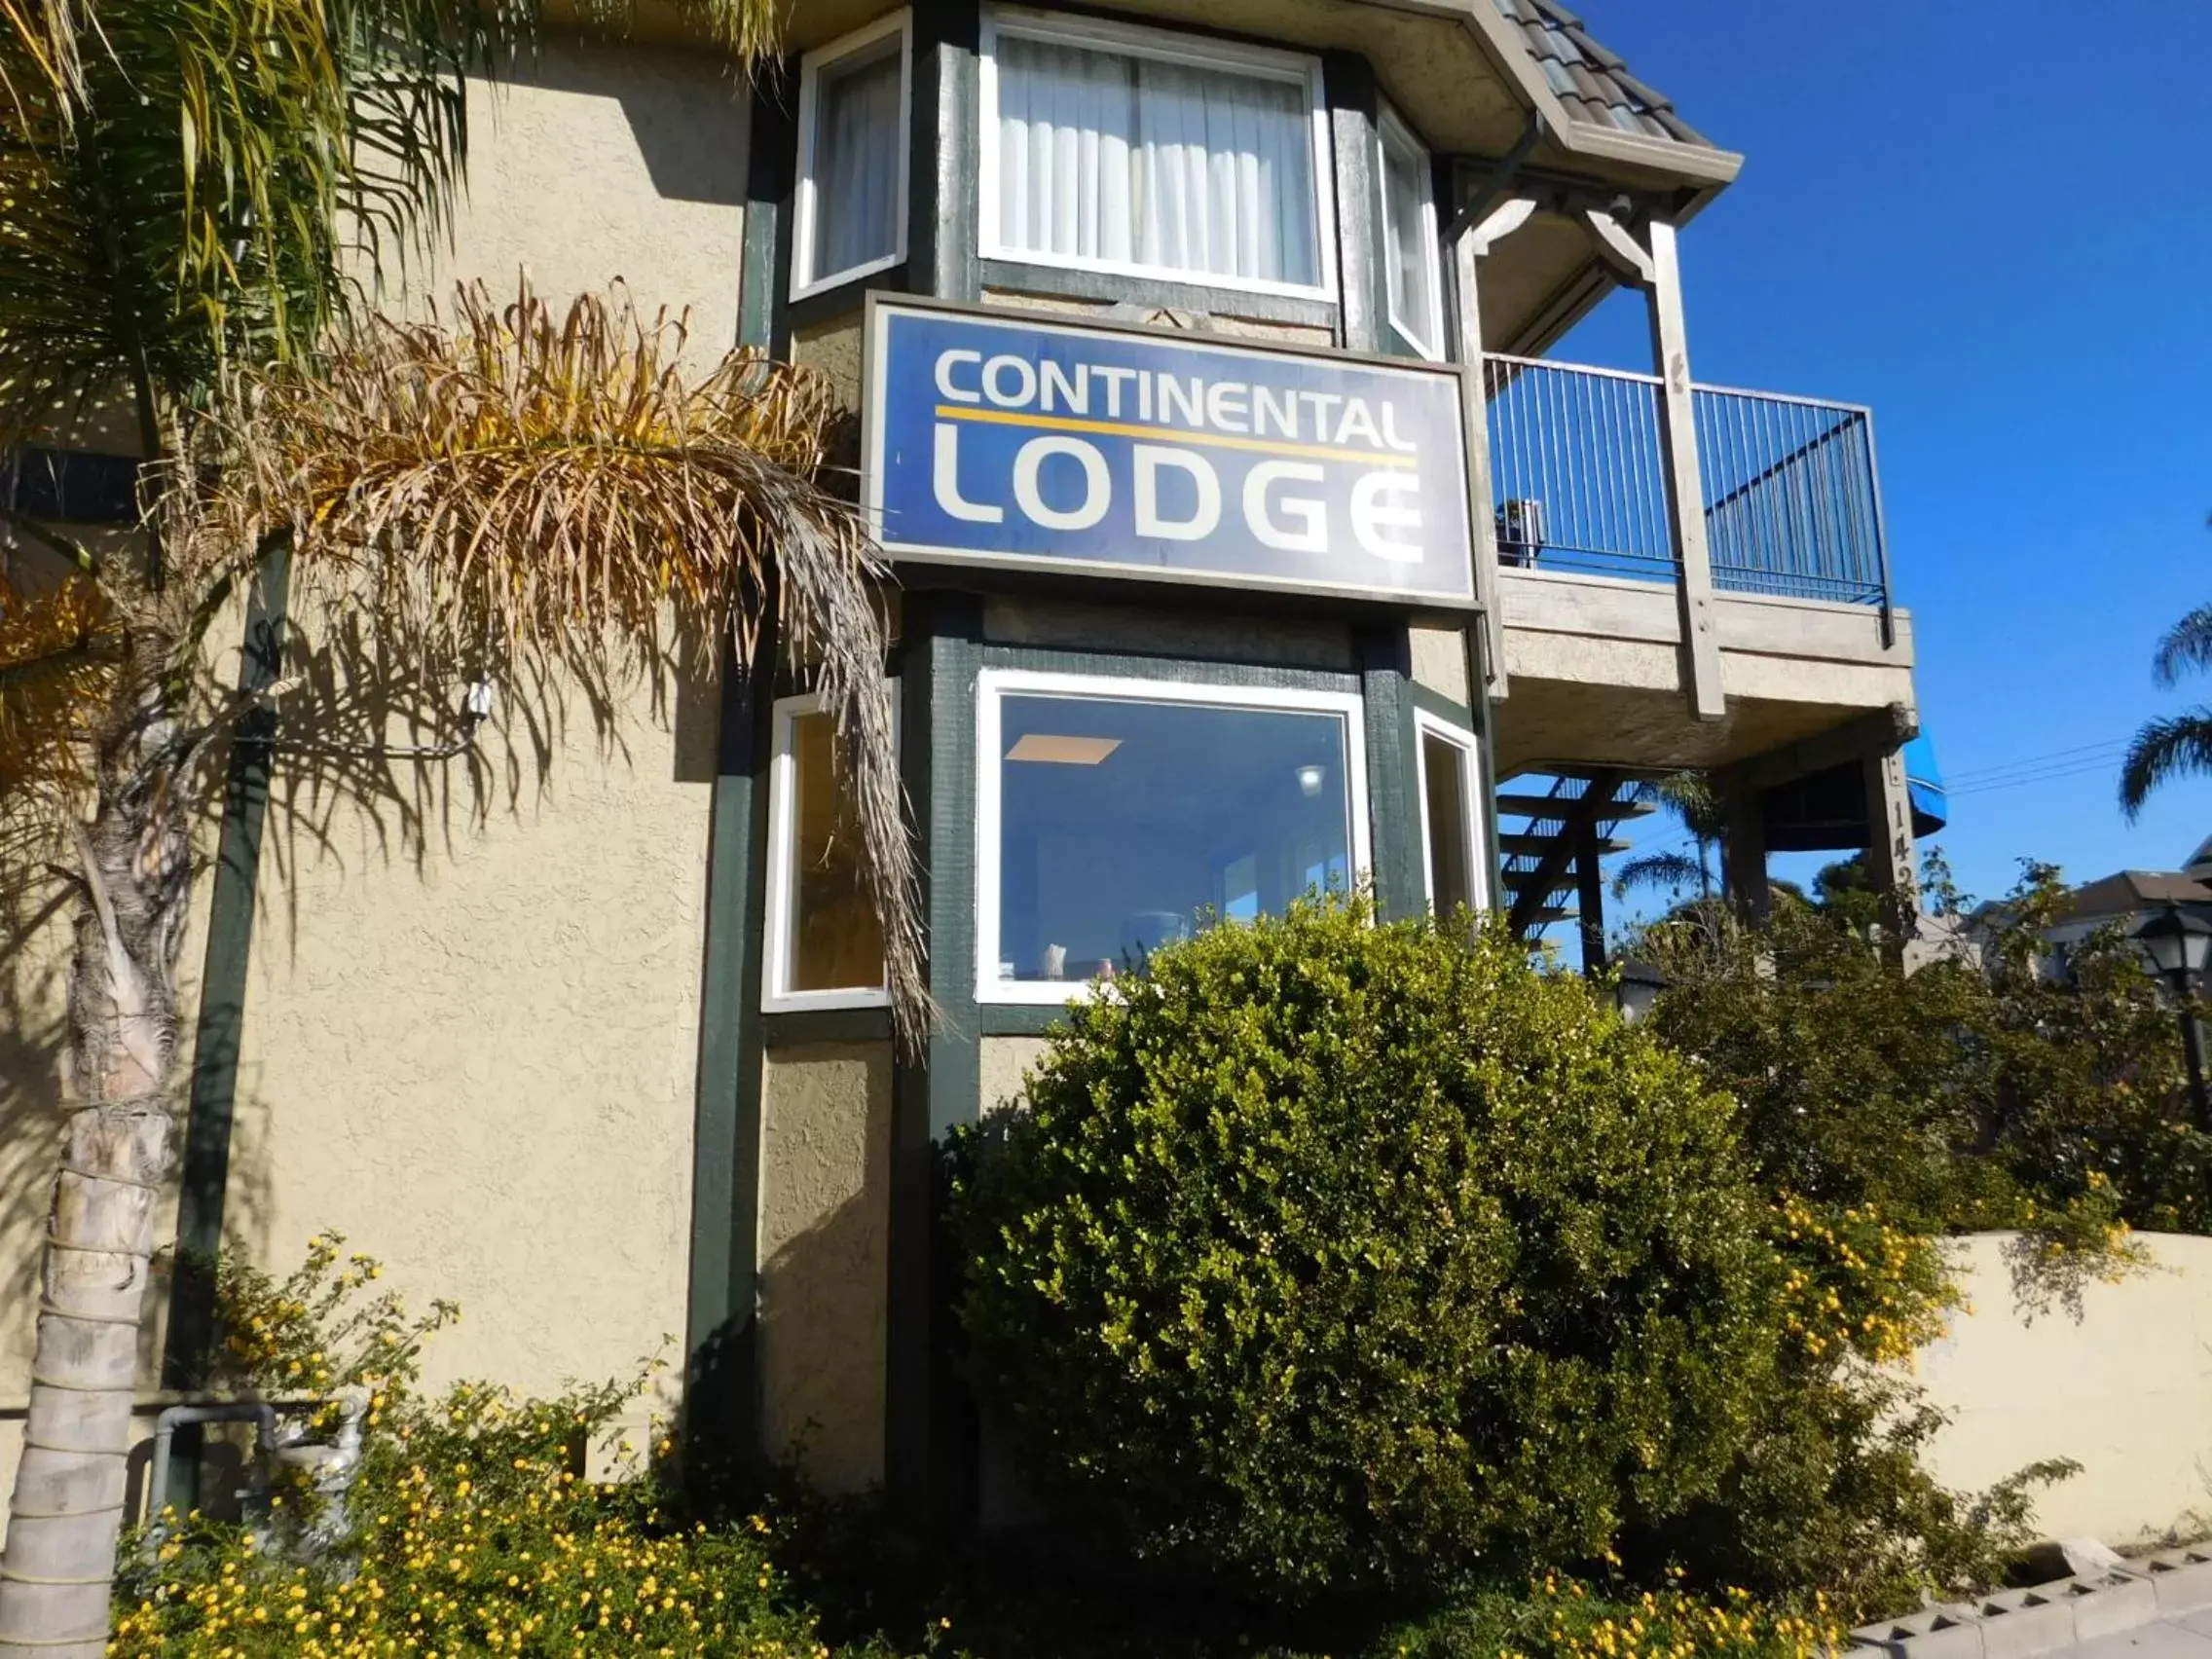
<point>1125,825</point>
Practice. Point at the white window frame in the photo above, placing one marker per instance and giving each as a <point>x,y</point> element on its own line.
<point>1391,128</point>
<point>776,994</point>
<point>994,684</point>
<point>804,197</point>
<point>1136,40</point>
<point>1479,882</point>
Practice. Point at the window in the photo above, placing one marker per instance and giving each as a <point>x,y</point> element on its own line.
<point>1139,153</point>
<point>1450,816</point>
<point>825,946</point>
<point>1409,225</point>
<point>850,215</point>
<point>1114,816</point>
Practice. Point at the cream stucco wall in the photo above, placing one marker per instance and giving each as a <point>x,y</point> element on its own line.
<point>472,1026</point>
<point>825,1261</point>
<point>595,161</point>
<point>2126,1391</point>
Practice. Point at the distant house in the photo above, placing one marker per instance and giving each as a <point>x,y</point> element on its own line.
<point>2132,896</point>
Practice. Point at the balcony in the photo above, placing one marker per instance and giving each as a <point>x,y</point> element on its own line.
<point>1801,607</point>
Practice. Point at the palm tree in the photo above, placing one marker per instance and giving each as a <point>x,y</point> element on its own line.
<point>2180,744</point>
<point>526,489</point>
<point>1696,805</point>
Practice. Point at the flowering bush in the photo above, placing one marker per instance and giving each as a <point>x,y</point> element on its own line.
<point>471,1529</point>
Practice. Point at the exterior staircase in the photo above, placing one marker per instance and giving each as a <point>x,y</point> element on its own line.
<point>1549,845</point>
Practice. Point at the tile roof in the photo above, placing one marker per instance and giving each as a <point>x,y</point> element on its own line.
<point>2133,890</point>
<point>1593,83</point>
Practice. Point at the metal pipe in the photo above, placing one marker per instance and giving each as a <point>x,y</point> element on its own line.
<point>258,1412</point>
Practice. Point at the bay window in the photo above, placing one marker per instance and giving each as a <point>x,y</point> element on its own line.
<point>1137,152</point>
<point>1115,816</point>
<point>850,207</point>
<point>1409,224</point>
<point>824,943</point>
<point>1454,864</point>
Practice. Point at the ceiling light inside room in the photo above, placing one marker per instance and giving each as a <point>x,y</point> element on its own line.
<point>1310,779</point>
<point>1064,751</point>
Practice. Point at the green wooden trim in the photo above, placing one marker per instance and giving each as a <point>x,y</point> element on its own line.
<point>223,984</point>
<point>721,1391</point>
<point>929,1430</point>
<point>1393,793</point>
<point>1018,1019</point>
<point>1197,671</point>
<point>825,1025</point>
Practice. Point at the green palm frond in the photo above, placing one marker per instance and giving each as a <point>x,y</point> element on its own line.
<point>2178,747</point>
<point>1670,872</point>
<point>2187,647</point>
<point>1691,797</point>
<point>195,199</point>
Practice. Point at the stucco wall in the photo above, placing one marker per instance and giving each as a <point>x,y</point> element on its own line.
<point>825,1229</point>
<point>2126,1391</point>
<point>597,161</point>
<point>471,1025</point>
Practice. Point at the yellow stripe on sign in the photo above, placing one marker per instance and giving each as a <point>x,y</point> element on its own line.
<point>1129,430</point>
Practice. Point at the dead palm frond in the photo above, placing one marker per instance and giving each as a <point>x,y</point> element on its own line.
<point>528,488</point>
<point>58,651</point>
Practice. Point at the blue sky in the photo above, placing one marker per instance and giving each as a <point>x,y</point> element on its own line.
<point>2026,301</point>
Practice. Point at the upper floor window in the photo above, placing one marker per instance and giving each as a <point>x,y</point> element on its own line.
<point>850,214</point>
<point>1139,153</point>
<point>1409,223</point>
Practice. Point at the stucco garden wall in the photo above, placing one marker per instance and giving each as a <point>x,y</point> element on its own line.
<point>2126,1391</point>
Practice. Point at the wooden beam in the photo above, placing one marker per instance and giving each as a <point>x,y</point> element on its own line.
<point>1685,484</point>
<point>1482,509</point>
<point>1502,222</point>
<point>1881,730</point>
<point>1618,249</point>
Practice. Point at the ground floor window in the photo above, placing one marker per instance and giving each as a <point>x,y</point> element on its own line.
<point>1114,816</point>
<point>824,946</point>
<point>1451,816</point>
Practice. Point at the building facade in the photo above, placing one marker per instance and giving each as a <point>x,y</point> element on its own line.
<point>584,1026</point>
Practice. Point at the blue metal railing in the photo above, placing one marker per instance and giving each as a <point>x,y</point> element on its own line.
<point>1792,502</point>
<point>1578,476</point>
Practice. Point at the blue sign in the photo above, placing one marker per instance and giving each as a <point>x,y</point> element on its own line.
<point>997,439</point>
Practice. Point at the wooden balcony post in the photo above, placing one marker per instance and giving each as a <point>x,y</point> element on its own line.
<point>1467,250</point>
<point>1685,482</point>
<point>1657,270</point>
<point>1470,239</point>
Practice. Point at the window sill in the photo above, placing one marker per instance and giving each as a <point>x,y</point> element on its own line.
<point>1077,282</point>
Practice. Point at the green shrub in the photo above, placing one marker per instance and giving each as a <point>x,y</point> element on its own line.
<point>1998,1092</point>
<point>1339,1256</point>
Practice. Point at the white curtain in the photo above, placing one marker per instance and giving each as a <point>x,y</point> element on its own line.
<point>1113,157</point>
<point>856,143</point>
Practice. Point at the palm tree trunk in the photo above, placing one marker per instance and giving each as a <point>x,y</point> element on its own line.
<point>117,1144</point>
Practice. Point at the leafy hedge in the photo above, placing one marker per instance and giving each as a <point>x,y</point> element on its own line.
<point>1343,1256</point>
